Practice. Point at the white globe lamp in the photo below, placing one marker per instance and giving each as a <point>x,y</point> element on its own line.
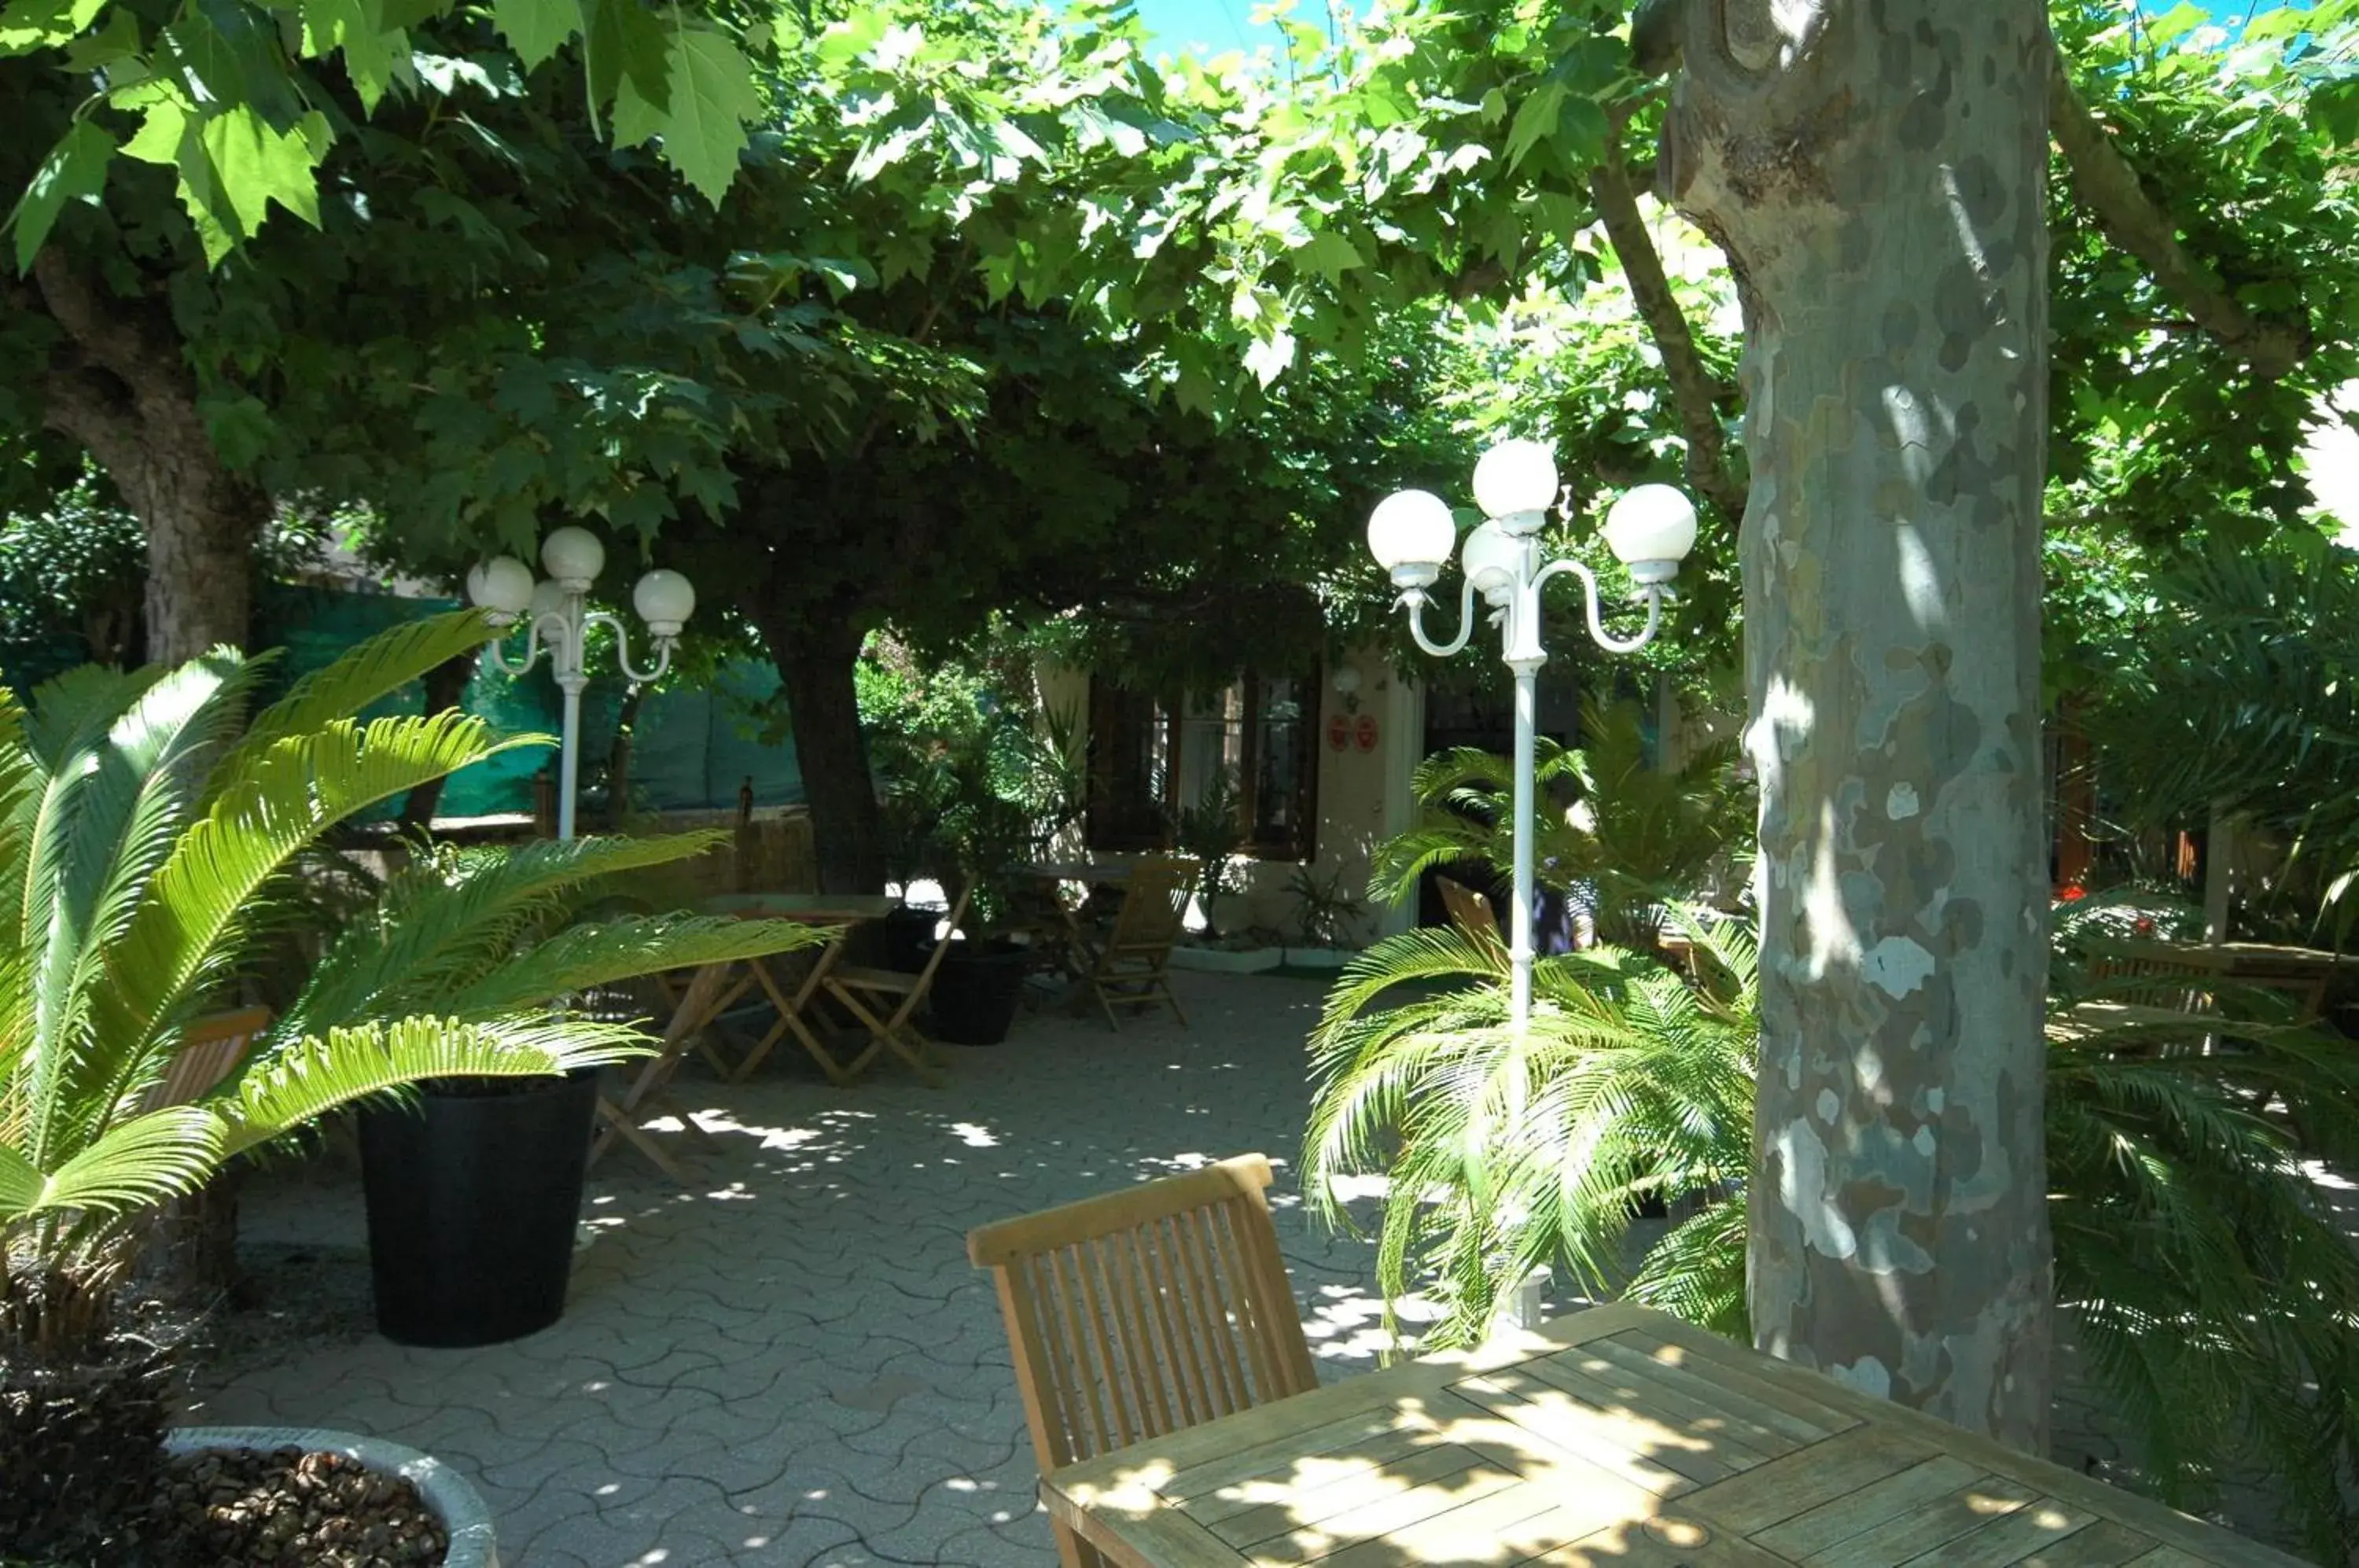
<point>502,585</point>
<point>665,600</point>
<point>1411,533</point>
<point>1515,482</point>
<point>1650,529</point>
<point>1490,558</point>
<point>574,557</point>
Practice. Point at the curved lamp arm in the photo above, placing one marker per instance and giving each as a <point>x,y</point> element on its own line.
<point>622,648</point>
<point>1605,638</point>
<point>544,634</point>
<point>1417,599</point>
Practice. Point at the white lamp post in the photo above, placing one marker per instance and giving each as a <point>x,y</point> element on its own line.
<point>1650,529</point>
<point>557,621</point>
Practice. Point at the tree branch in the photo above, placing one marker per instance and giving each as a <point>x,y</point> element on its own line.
<point>1695,392</point>
<point>2103,178</point>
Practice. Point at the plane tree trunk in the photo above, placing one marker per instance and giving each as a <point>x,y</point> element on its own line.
<point>1874,170</point>
<point>117,383</point>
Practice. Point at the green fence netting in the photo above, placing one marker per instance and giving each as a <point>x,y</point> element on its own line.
<point>690,752</point>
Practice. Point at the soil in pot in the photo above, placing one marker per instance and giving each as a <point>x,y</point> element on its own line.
<point>473,1201</point>
<point>976,991</point>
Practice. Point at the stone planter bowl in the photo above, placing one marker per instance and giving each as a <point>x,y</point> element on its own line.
<point>450,1496</point>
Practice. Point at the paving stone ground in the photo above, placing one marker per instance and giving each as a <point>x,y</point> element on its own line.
<point>791,1361</point>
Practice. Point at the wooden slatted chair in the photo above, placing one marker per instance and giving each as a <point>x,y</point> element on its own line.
<point>1470,911</point>
<point>1134,968</point>
<point>211,1048</point>
<point>1143,1312</point>
<point>885,1000</point>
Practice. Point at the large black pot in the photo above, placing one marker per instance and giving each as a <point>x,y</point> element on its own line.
<point>472,1199</point>
<point>909,938</point>
<point>976,991</point>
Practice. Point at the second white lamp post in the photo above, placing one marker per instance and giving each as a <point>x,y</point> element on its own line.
<point>1650,529</point>
<point>559,621</point>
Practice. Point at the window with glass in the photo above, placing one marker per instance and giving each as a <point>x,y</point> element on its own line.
<point>1155,756</point>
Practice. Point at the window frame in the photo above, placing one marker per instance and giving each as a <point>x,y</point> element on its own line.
<point>1108,700</point>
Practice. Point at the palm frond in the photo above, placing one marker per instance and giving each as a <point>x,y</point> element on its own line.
<point>134,1164</point>
<point>585,956</point>
<point>297,788</point>
<point>451,918</point>
<point>363,675</point>
<point>316,1075</point>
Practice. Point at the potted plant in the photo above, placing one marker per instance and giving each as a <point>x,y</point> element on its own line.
<point>145,824</point>
<point>980,984</point>
<point>1323,912</point>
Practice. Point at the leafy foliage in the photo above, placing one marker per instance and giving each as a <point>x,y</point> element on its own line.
<point>2214,1300</point>
<point>235,98</point>
<point>2243,697</point>
<point>70,579</point>
<point>1634,837</point>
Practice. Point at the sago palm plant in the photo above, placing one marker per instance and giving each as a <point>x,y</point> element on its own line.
<point>146,818</point>
<point>2213,1301</point>
<point>1637,838</point>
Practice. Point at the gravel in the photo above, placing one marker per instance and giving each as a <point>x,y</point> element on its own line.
<point>288,1508</point>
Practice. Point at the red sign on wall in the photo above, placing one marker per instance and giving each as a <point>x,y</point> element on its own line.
<point>1339,732</point>
<point>1367,734</point>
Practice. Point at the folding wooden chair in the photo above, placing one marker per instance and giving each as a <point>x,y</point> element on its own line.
<point>1143,1312</point>
<point>885,1000</point>
<point>1133,969</point>
<point>1470,911</point>
<point>211,1048</point>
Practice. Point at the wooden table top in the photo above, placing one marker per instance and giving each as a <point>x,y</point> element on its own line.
<point>1618,1438</point>
<point>819,909</point>
<point>2231,958</point>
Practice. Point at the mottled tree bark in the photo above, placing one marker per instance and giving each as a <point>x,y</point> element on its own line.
<point>1874,170</point>
<point>119,386</point>
<point>816,667</point>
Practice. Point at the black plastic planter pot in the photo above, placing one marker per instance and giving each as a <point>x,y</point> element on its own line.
<point>976,991</point>
<point>909,938</point>
<point>472,1204</point>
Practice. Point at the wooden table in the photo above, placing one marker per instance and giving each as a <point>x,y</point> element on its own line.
<point>712,990</point>
<point>1618,1438</point>
<point>2308,973</point>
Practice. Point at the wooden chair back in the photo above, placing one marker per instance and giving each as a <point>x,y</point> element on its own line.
<point>934,959</point>
<point>1470,911</point>
<point>1153,907</point>
<point>211,1049</point>
<point>1145,1311</point>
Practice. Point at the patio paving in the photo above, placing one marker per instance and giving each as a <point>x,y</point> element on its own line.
<point>793,1362</point>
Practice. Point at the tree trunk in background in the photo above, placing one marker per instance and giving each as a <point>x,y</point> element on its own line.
<point>445,684</point>
<point>1875,173</point>
<point>117,384</point>
<point>816,667</point>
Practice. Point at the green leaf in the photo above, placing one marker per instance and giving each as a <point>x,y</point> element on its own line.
<point>1536,120</point>
<point>1329,255</point>
<point>536,29</point>
<point>76,167</point>
<point>29,25</point>
<point>622,40</point>
<point>256,165</point>
<point>240,428</point>
<point>712,97</point>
